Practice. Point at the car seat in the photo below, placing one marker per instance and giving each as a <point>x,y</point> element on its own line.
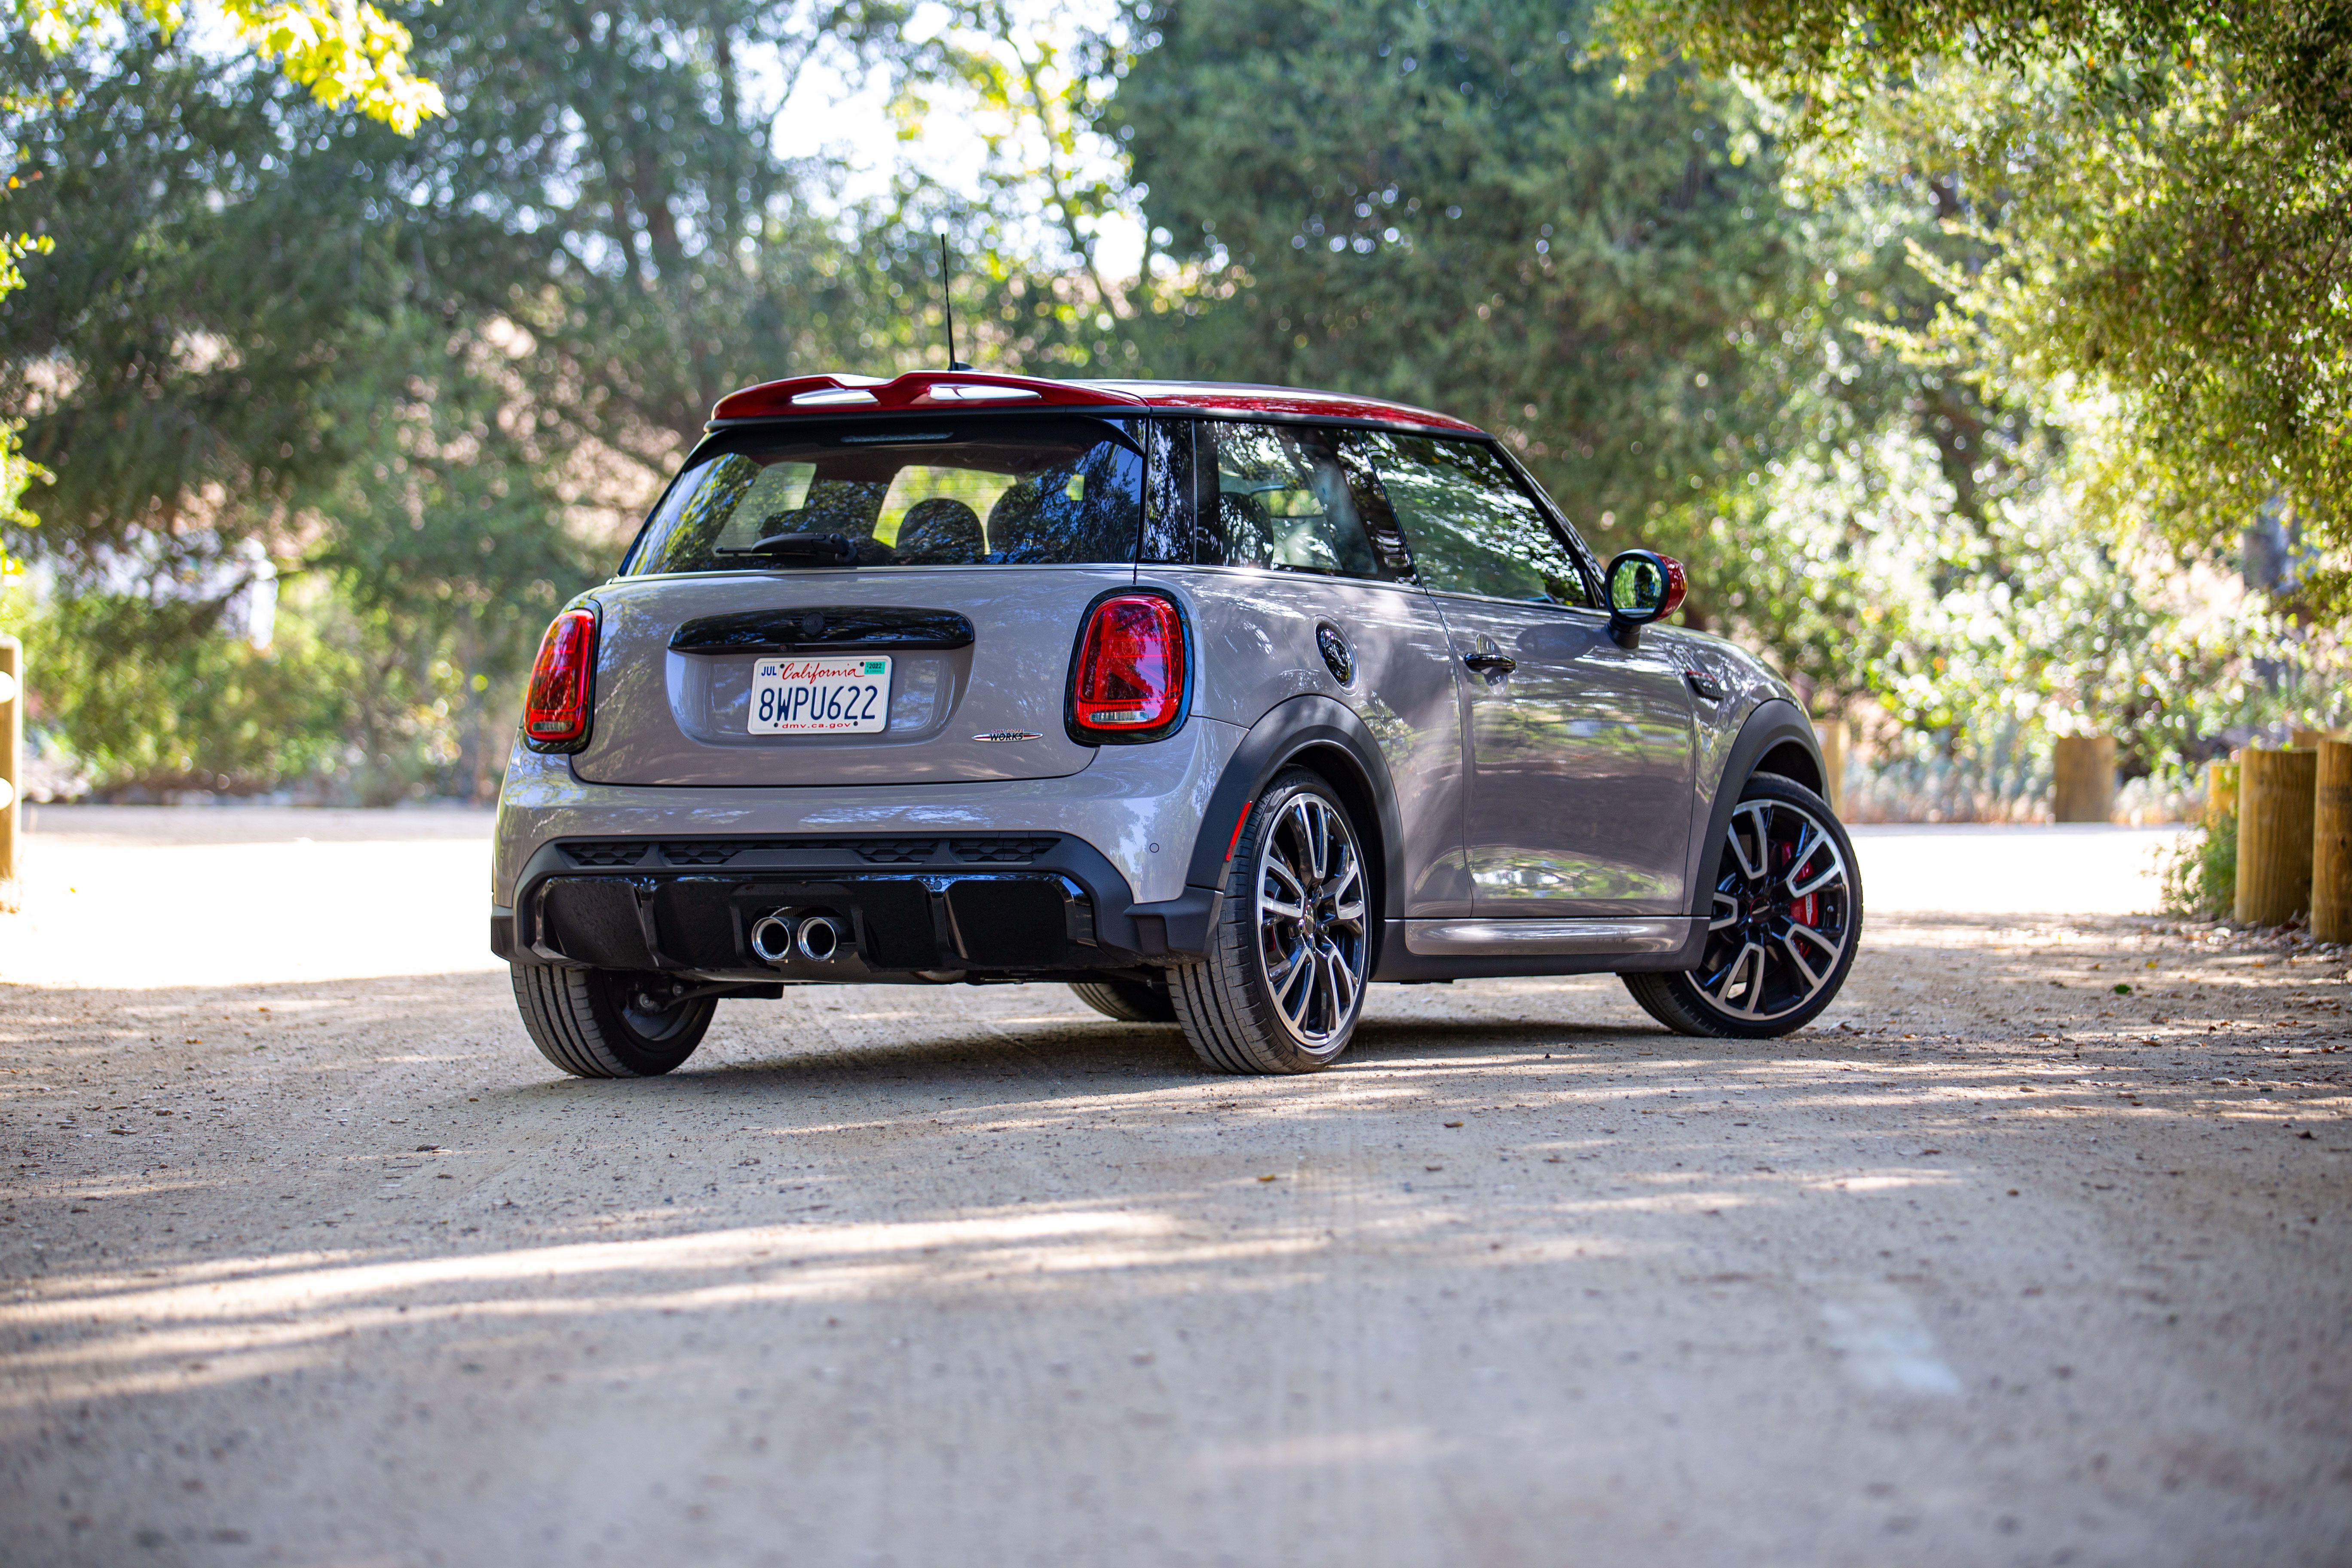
<point>1019,527</point>
<point>940,532</point>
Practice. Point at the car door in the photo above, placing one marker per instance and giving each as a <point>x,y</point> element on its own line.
<point>1579,751</point>
<point>1284,553</point>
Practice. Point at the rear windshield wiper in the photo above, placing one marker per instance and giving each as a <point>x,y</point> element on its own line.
<point>812,548</point>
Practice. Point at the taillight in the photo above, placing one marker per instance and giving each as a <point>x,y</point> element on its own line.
<point>1128,682</point>
<point>562,685</point>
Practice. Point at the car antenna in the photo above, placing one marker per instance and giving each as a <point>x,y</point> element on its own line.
<point>947,298</point>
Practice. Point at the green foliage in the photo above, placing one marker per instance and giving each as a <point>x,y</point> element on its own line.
<point>1719,331</point>
<point>1449,204</point>
<point>2159,190</point>
<point>345,54</point>
<point>434,377</point>
<point>2199,878</point>
<point>1905,376</point>
<point>2297,53</point>
<point>240,339</point>
<point>138,694</point>
<point>1971,624</point>
<point>185,355</point>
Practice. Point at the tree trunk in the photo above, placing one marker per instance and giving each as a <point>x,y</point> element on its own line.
<point>2084,787</point>
<point>2275,807</point>
<point>2331,845</point>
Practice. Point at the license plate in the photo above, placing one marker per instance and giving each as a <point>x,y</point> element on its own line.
<point>820,695</point>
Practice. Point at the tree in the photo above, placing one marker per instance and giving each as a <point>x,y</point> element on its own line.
<point>1452,204</point>
<point>1701,331</point>
<point>344,54</point>
<point>239,340</point>
<point>347,54</point>
<point>2162,189</point>
<point>436,376</point>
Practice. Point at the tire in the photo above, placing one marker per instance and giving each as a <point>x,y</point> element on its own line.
<point>1779,830</point>
<point>1281,992</point>
<point>592,1022</point>
<point>1128,1001</point>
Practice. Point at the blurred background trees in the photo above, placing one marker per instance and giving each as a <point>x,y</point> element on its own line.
<point>1987,368</point>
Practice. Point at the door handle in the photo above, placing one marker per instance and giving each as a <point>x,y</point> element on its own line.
<point>1489,661</point>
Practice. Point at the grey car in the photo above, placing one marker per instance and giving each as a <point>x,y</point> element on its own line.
<point>1215,702</point>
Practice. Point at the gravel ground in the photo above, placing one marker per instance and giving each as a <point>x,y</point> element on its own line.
<point>2006,1268</point>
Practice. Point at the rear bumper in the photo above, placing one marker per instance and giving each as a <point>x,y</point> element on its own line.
<point>981,907</point>
<point>1029,879</point>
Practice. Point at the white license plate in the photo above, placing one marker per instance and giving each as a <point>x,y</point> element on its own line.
<point>820,695</point>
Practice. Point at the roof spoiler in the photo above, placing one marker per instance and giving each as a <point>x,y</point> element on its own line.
<point>924,391</point>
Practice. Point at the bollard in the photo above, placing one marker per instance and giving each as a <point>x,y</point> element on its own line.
<point>1831,733</point>
<point>2083,787</point>
<point>2275,809</point>
<point>2331,845</point>
<point>2221,792</point>
<point>11,749</point>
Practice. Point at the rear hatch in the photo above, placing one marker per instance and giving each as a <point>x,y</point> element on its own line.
<point>943,565</point>
<point>989,710</point>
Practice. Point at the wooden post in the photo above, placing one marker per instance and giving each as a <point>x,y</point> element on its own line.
<point>1831,733</point>
<point>2276,805</point>
<point>11,773</point>
<point>2221,792</point>
<point>2085,786</point>
<point>2331,845</point>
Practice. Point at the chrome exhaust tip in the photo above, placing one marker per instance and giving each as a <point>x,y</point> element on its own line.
<point>820,939</point>
<point>771,938</point>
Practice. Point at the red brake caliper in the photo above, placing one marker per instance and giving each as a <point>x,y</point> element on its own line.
<point>1801,911</point>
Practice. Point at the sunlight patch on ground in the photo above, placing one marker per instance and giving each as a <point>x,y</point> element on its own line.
<point>1323,1451</point>
<point>1881,1342</point>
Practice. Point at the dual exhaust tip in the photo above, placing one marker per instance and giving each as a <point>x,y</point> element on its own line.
<point>776,937</point>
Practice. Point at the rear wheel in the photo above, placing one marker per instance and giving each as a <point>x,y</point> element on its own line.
<point>1284,980</point>
<point>1128,1001</point>
<point>609,1023</point>
<point>1786,919</point>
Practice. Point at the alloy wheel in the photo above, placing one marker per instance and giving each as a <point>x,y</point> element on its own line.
<point>1782,913</point>
<point>649,1006</point>
<point>1311,921</point>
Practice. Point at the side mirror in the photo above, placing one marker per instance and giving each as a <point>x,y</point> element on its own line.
<point>1643,587</point>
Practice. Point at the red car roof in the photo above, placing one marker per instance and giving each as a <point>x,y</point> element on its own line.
<point>932,390</point>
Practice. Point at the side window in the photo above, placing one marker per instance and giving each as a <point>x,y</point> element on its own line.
<point>1472,528</point>
<point>1169,486</point>
<point>1279,497</point>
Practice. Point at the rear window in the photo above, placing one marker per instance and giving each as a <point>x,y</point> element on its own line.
<point>948,492</point>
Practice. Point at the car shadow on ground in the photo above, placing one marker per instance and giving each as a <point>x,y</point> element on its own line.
<point>1049,1055</point>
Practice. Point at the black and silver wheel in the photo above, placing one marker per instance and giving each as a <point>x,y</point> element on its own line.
<point>1128,1001</point>
<point>1284,980</point>
<point>1786,919</point>
<point>608,1023</point>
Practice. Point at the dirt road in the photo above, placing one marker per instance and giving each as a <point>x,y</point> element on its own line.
<point>2009,1269</point>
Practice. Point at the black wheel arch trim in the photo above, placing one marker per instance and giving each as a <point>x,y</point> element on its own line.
<point>1287,732</point>
<point>1774,723</point>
